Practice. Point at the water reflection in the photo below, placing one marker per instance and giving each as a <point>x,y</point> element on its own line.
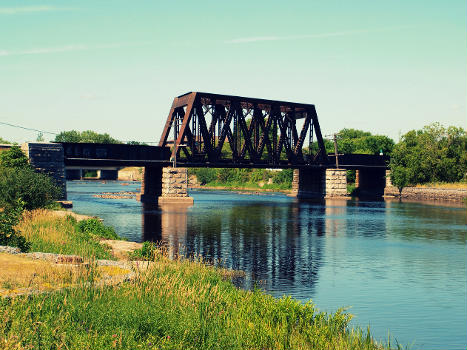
<point>277,245</point>
<point>401,266</point>
<point>420,221</point>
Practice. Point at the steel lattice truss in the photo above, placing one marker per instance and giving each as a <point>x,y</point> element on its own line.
<point>229,131</point>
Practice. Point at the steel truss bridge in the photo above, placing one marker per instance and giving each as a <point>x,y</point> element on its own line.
<point>211,130</point>
<point>214,130</point>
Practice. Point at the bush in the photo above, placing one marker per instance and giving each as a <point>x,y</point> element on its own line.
<point>13,158</point>
<point>433,154</point>
<point>97,228</point>
<point>34,189</point>
<point>283,177</point>
<point>146,252</point>
<point>9,218</point>
<point>49,233</point>
<point>205,175</point>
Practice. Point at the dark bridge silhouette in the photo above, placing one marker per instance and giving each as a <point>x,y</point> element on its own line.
<point>211,130</point>
<point>200,127</point>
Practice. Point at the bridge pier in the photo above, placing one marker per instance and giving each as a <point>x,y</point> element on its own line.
<point>151,184</point>
<point>165,185</point>
<point>108,174</point>
<point>74,174</point>
<point>370,182</point>
<point>319,183</point>
<point>175,186</point>
<point>48,158</point>
<point>308,183</point>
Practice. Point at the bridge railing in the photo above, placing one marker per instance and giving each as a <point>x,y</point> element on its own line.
<point>82,153</point>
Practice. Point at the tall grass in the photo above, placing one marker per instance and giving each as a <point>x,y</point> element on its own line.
<point>445,185</point>
<point>173,305</point>
<point>51,234</point>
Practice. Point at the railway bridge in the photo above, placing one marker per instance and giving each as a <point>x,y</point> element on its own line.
<point>222,131</point>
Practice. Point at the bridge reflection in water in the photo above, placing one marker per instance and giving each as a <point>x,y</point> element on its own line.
<point>280,244</point>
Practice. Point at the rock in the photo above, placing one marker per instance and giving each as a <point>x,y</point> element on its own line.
<point>9,250</point>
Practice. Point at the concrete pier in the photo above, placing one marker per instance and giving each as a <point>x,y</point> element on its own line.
<point>319,183</point>
<point>371,182</point>
<point>165,185</point>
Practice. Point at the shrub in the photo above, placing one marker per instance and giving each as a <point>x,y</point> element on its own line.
<point>97,228</point>
<point>284,176</point>
<point>9,218</point>
<point>146,252</point>
<point>34,189</point>
<point>49,233</point>
<point>205,175</point>
<point>13,158</point>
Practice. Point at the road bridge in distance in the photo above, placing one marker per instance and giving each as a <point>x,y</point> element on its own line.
<point>222,131</point>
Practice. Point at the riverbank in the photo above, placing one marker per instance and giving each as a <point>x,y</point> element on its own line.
<point>193,306</point>
<point>441,193</point>
<point>447,194</point>
<point>240,189</point>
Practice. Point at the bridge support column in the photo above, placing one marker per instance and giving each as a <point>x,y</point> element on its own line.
<point>371,182</point>
<point>390,190</point>
<point>108,174</point>
<point>151,184</point>
<point>74,174</point>
<point>48,158</point>
<point>308,183</point>
<point>175,186</point>
<point>336,183</point>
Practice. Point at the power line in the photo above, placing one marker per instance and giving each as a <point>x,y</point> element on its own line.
<point>54,133</point>
<point>31,129</point>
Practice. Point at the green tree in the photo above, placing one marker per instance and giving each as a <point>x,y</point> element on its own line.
<point>13,158</point>
<point>400,177</point>
<point>205,175</point>
<point>2,140</point>
<point>9,218</point>
<point>20,183</point>
<point>35,189</point>
<point>433,154</point>
<point>87,136</point>
<point>359,141</point>
<point>40,137</point>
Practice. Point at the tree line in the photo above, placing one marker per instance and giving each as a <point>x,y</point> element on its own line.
<point>434,153</point>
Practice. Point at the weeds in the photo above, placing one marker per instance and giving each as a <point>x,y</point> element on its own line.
<point>96,227</point>
<point>50,234</point>
<point>173,304</point>
<point>146,252</point>
<point>9,218</point>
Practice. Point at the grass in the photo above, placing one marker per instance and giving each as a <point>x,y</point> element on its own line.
<point>21,274</point>
<point>445,185</point>
<point>169,304</point>
<point>174,304</point>
<point>63,235</point>
<point>249,186</point>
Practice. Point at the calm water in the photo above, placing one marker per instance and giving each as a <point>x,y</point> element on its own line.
<point>400,267</point>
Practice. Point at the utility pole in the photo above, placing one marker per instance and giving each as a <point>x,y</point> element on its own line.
<point>334,137</point>
<point>335,151</point>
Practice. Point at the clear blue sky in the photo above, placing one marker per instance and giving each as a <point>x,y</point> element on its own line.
<point>115,66</point>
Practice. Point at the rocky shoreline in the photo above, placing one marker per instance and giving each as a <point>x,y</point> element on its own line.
<point>428,193</point>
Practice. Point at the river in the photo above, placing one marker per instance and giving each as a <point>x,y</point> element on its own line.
<point>399,267</point>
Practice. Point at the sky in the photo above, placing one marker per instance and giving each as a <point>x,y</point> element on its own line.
<point>115,66</point>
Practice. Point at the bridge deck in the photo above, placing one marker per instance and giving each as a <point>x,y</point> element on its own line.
<point>97,155</point>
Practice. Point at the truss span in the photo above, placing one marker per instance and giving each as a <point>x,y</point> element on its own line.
<point>214,130</point>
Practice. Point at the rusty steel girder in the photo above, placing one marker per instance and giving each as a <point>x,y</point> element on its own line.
<point>202,128</point>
